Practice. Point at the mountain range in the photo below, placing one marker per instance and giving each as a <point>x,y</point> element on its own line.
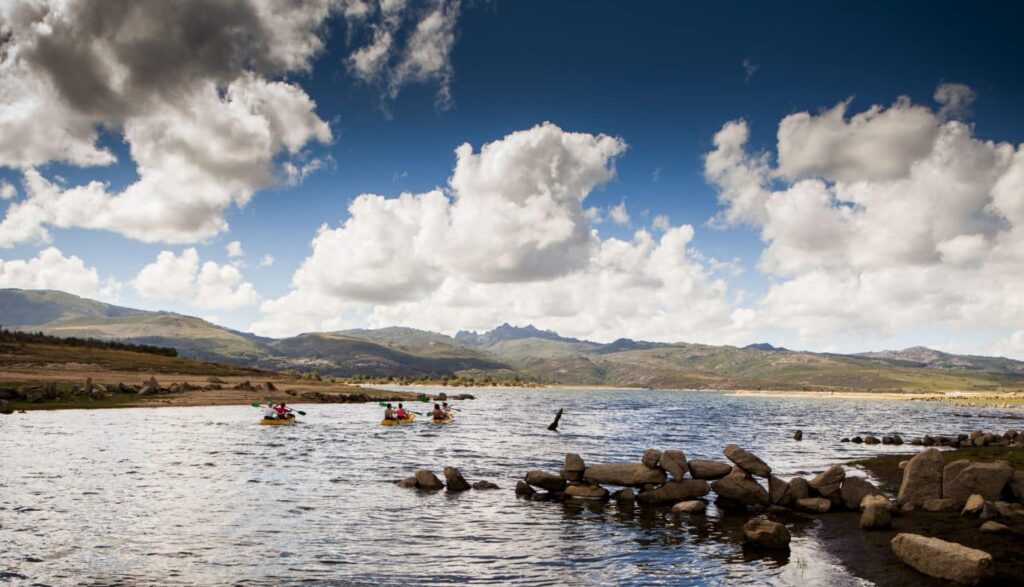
<point>511,351</point>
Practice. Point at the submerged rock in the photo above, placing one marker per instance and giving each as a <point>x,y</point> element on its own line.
<point>408,482</point>
<point>483,485</point>
<point>767,534</point>
<point>454,480</point>
<point>427,480</point>
<point>694,506</point>
<point>943,560</point>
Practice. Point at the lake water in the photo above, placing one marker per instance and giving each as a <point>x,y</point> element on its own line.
<point>207,496</point>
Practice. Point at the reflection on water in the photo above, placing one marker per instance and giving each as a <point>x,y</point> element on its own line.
<point>205,495</point>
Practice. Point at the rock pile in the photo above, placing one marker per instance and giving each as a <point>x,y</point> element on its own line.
<point>453,481</point>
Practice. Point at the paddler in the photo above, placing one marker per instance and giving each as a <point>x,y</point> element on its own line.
<point>400,413</point>
<point>283,411</point>
<point>270,413</point>
<point>389,413</point>
<point>439,414</point>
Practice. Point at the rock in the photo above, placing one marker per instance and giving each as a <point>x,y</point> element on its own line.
<point>1017,485</point>
<point>977,437</point>
<point>994,527</point>
<point>985,479</point>
<point>675,491</point>
<point>454,480</point>
<point>922,478</point>
<point>854,490</point>
<point>869,439</point>
<point>740,487</point>
<point>5,407</point>
<point>916,442</point>
<point>705,469</point>
<point>845,440</point>
<point>876,515</point>
<point>814,505</point>
<point>427,480</point>
<point>988,511</point>
<point>779,493</point>
<point>943,560</point>
<point>674,463</point>
<point>876,501</point>
<point>1004,509</point>
<point>857,440</point>
<point>174,388</point>
<point>484,485</point>
<point>270,386</point>
<point>694,506</point>
<point>767,534</point>
<point>902,465</point>
<point>624,474</point>
<point>545,480</point>
<point>651,458</point>
<point>408,482</point>
<point>828,482</point>
<point>938,504</point>
<point>523,488</point>
<point>974,505</point>
<point>574,463</point>
<point>897,439</point>
<point>799,488</point>
<point>625,495</point>
<point>887,439</point>
<point>584,491</point>
<point>747,461</point>
<point>928,440</point>
<point>798,435</point>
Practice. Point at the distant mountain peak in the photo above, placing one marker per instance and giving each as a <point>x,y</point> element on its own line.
<point>764,346</point>
<point>508,332</point>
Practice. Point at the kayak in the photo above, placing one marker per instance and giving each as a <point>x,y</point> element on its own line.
<point>408,420</point>
<point>276,422</point>
<point>448,420</point>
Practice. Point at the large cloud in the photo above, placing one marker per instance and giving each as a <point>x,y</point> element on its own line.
<point>509,242</point>
<point>50,269</point>
<point>180,277</point>
<point>893,220</point>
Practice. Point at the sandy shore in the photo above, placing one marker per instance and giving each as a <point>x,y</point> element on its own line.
<point>949,396</point>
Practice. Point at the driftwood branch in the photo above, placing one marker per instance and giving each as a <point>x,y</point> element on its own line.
<point>554,425</point>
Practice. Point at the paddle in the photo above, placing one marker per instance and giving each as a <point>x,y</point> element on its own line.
<point>257,405</point>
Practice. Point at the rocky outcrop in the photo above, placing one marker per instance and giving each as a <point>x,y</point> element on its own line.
<point>624,474</point>
<point>761,533</point>
<point>854,490</point>
<point>454,480</point>
<point>747,461</point>
<point>546,481</point>
<point>738,486</point>
<point>943,560</point>
<point>922,479</point>
<point>710,470</point>
<point>674,463</point>
<point>675,491</point>
<point>427,480</point>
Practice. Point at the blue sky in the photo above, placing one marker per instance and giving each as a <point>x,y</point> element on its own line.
<point>663,77</point>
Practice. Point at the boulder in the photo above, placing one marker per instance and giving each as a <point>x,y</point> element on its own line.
<point>986,479</point>
<point>857,440</point>
<point>977,437</point>
<point>174,388</point>
<point>625,495</point>
<point>938,504</point>
<point>408,482</point>
<point>740,487</point>
<point>869,439</point>
<point>673,462</point>
<point>523,488</point>
<point>943,560</point>
<point>1017,485</point>
<point>574,463</point>
<point>675,491</point>
<point>973,506</point>
<point>828,482</point>
<point>994,527</point>
<point>767,534</point>
<point>584,491</point>
<point>814,505</point>
<point>876,514</point>
<point>747,461</point>
<point>854,490</point>
<point>798,435</point>
<point>651,458</point>
<point>897,439</point>
<point>427,480</point>
<point>454,480</point>
<point>799,488</point>
<point>624,474</point>
<point>484,485</point>
<point>922,478</point>
<point>705,469</point>
<point>694,506</point>
<point>779,493</point>
<point>545,480</point>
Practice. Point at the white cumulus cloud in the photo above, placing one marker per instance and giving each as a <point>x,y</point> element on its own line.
<point>234,249</point>
<point>51,269</point>
<point>181,278</point>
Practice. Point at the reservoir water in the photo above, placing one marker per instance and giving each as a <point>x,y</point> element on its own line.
<point>206,496</point>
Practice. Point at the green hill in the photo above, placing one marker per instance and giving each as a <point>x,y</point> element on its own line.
<point>510,351</point>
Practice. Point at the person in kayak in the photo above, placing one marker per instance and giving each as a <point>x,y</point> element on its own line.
<point>283,411</point>
<point>270,413</point>
<point>389,413</point>
<point>439,414</point>
<point>400,413</point>
<point>447,411</point>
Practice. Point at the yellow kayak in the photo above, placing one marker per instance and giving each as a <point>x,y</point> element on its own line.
<point>276,422</point>
<point>448,420</point>
<point>408,420</point>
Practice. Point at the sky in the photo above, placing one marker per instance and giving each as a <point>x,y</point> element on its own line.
<point>830,178</point>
